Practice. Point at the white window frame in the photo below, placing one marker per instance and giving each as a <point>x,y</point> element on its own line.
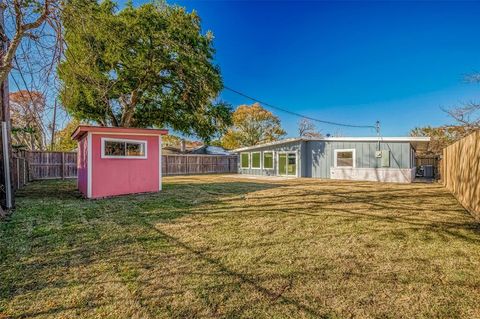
<point>244,167</point>
<point>354,157</point>
<point>273,160</point>
<point>125,140</point>
<point>251,160</point>
<point>297,157</point>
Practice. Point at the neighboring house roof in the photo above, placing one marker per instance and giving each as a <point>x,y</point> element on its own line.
<point>211,150</point>
<point>204,149</point>
<point>417,142</point>
<point>175,150</point>
<point>217,150</point>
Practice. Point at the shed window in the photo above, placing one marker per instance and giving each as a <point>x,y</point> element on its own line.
<point>256,160</point>
<point>117,148</point>
<point>245,160</point>
<point>268,160</point>
<point>344,158</point>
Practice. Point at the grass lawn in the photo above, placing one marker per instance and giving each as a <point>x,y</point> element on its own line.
<point>217,246</point>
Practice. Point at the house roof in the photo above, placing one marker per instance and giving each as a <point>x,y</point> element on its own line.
<point>203,149</point>
<point>83,129</point>
<point>419,143</point>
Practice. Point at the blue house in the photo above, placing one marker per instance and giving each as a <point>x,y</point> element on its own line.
<point>383,159</point>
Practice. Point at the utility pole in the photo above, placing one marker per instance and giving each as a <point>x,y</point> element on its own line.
<point>377,128</point>
<point>6,191</point>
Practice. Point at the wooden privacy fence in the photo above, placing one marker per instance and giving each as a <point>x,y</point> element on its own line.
<point>39,165</point>
<point>51,165</point>
<point>36,165</point>
<point>461,171</point>
<point>198,164</point>
<point>19,172</point>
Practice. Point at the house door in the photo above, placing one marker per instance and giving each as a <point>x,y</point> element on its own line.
<point>287,164</point>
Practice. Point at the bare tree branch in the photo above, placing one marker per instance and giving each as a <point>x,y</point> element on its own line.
<point>473,78</point>
<point>467,114</point>
<point>307,128</point>
<point>22,12</point>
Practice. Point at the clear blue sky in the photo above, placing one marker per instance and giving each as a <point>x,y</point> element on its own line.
<point>353,62</point>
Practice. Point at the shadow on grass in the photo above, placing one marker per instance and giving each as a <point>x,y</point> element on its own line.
<point>49,189</point>
<point>55,230</point>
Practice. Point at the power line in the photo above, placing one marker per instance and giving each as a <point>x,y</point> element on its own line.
<point>295,113</point>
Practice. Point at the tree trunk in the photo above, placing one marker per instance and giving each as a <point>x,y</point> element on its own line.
<point>5,117</point>
<point>128,109</point>
<point>7,59</point>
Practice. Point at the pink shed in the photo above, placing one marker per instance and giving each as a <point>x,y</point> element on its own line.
<point>117,161</point>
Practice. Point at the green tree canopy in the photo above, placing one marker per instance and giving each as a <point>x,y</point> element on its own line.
<point>140,67</point>
<point>63,138</point>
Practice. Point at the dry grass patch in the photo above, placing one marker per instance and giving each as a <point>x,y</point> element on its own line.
<point>211,246</point>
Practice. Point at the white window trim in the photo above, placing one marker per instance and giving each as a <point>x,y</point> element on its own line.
<point>105,139</point>
<point>89,165</point>
<point>354,157</point>
<point>251,160</point>
<point>159,162</point>
<point>244,167</point>
<point>297,157</point>
<point>273,160</point>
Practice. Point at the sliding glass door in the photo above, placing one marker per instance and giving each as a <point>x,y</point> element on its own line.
<point>287,164</point>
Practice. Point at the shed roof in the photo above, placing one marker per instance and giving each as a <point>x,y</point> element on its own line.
<point>83,129</point>
<point>419,143</point>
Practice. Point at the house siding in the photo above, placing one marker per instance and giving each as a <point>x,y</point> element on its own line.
<point>316,158</point>
<point>297,146</point>
<point>320,155</point>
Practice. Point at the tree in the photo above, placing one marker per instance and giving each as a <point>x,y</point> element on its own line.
<point>307,128</point>
<point>157,69</point>
<point>468,114</point>
<point>252,125</point>
<point>63,138</point>
<point>441,136</point>
<point>26,19</point>
<point>26,112</point>
<point>171,140</point>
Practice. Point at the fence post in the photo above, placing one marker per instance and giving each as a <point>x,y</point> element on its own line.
<point>165,160</point>
<point>18,173</point>
<point>63,165</point>
<point>24,171</point>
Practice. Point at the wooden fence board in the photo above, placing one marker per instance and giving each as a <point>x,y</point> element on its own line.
<point>20,172</point>
<point>52,165</point>
<point>198,164</point>
<point>461,171</point>
<point>39,165</point>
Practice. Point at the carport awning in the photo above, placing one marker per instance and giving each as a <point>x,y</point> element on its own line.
<point>420,145</point>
